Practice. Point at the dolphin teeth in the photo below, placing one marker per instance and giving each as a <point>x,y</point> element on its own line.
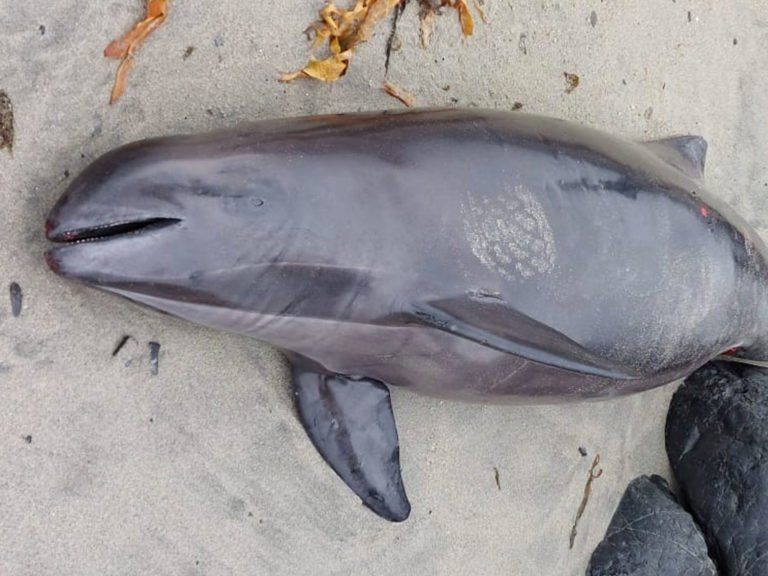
<point>107,231</point>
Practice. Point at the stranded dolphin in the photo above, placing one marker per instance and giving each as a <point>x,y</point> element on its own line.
<point>468,254</point>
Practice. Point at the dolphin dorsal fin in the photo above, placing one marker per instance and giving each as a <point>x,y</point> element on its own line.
<point>686,153</point>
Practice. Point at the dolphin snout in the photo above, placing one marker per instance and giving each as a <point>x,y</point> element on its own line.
<point>52,262</point>
<point>58,233</point>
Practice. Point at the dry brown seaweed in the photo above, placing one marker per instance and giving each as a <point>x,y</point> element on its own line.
<point>125,47</point>
<point>403,95</point>
<point>341,30</point>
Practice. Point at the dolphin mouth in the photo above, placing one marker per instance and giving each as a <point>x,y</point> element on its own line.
<point>105,232</point>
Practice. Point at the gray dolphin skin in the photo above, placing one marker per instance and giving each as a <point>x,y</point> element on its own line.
<point>465,254</point>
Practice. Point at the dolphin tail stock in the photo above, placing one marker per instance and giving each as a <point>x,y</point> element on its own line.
<point>350,422</point>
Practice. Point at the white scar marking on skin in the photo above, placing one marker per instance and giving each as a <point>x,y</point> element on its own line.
<point>510,233</point>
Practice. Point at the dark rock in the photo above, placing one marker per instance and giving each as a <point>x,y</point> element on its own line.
<point>717,442</point>
<point>651,535</point>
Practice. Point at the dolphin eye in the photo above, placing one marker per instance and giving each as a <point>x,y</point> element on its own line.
<point>257,202</point>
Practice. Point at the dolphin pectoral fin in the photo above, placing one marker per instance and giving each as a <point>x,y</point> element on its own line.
<point>496,325</point>
<point>351,424</point>
<point>686,153</point>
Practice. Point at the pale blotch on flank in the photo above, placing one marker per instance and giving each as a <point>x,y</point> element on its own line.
<point>510,233</point>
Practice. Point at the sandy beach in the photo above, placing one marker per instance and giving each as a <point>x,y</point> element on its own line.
<point>204,469</point>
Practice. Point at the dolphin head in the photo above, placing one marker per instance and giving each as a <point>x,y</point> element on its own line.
<point>166,218</point>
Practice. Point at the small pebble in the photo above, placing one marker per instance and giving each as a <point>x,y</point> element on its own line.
<point>571,82</point>
<point>522,44</point>
<point>6,122</point>
<point>16,298</point>
<point>154,358</point>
